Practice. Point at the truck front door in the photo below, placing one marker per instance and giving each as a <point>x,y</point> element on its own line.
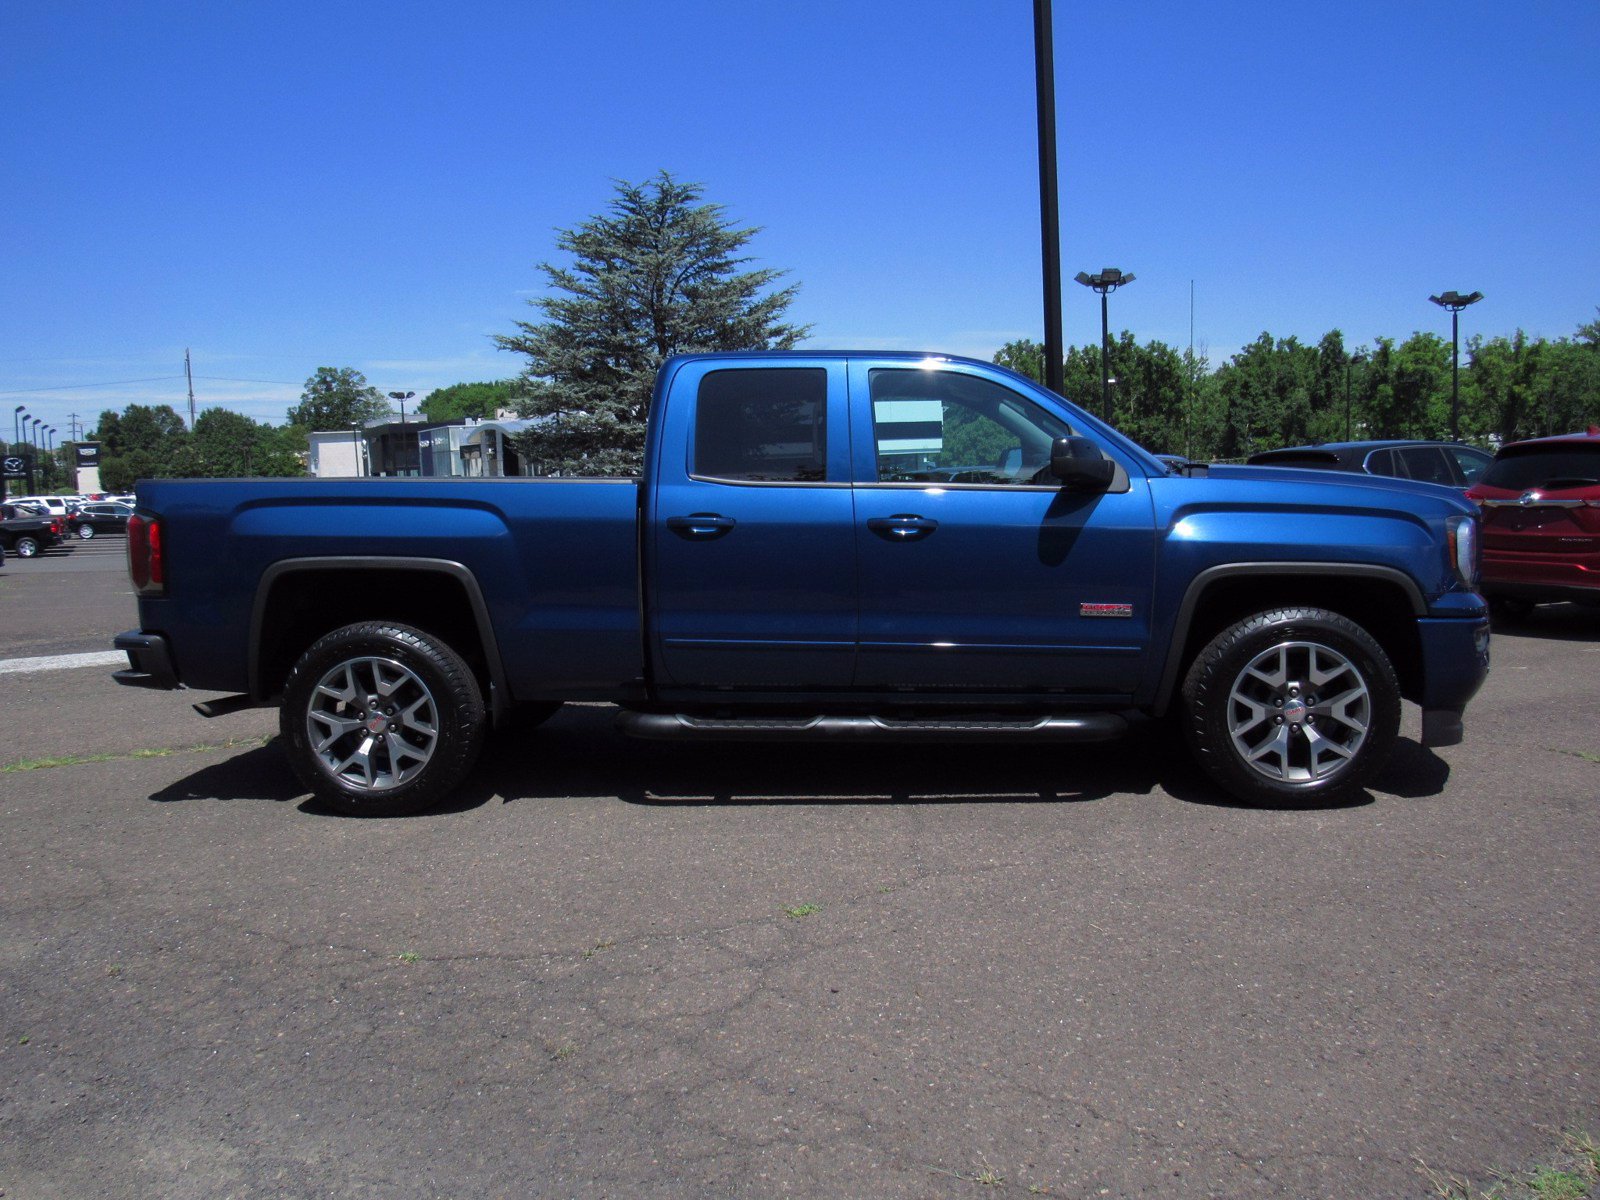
<point>978,572</point>
<point>750,551</point>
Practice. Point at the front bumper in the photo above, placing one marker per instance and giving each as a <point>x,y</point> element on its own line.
<point>1455,662</point>
<point>149,661</point>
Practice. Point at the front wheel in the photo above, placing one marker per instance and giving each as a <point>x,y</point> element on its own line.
<point>1293,706</point>
<point>381,719</point>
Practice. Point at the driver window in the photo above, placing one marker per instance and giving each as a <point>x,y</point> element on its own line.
<point>946,428</point>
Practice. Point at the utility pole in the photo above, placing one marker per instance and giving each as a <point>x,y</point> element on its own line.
<point>1044,71</point>
<point>189,375</point>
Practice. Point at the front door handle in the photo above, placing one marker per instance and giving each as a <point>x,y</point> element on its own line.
<point>902,527</point>
<point>700,527</point>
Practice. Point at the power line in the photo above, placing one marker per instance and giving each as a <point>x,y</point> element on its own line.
<point>231,379</point>
<point>67,387</point>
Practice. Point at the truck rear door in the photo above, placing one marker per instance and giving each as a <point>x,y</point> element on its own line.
<point>749,534</point>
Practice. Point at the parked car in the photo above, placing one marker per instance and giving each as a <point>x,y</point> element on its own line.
<point>1541,521</point>
<point>100,517</point>
<point>25,534</point>
<point>1449,463</point>
<point>55,506</point>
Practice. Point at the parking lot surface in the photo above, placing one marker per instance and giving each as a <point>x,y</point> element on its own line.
<point>625,969</point>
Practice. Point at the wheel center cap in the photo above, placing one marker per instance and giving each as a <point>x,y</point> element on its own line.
<point>377,724</point>
<point>1294,711</point>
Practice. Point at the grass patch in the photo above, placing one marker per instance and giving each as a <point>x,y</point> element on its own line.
<point>1573,1174</point>
<point>407,956</point>
<point>598,948</point>
<point>801,910</point>
<point>1586,755</point>
<point>75,760</point>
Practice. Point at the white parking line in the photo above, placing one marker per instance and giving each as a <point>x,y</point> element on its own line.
<point>63,662</point>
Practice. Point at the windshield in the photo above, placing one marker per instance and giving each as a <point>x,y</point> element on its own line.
<point>1553,465</point>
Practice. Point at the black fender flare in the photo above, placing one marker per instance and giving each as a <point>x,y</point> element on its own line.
<point>500,693</point>
<point>1198,585</point>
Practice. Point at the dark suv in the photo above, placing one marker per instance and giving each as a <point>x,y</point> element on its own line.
<point>1449,463</point>
<point>1541,521</point>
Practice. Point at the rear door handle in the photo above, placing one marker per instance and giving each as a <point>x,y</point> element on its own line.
<point>700,527</point>
<point>902,527</point>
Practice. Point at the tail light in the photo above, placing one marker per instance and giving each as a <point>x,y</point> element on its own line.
<point>146,563</point>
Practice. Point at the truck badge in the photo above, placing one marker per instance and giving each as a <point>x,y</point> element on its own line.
<point>1105,610</point>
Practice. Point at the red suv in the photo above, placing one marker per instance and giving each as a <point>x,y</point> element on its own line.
<point>1541,521</point>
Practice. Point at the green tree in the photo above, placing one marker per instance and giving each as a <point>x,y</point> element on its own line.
<point>142,442</point>
<point>1024,356</point>
<point>228,445</point>
<point>479,400</point>
<point>660,273</point>
<point>337,398</point>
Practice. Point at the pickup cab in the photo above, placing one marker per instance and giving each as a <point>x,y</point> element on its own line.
<point>824,545</point>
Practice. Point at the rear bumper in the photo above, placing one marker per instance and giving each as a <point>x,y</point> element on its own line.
<point>1455,662</point>
<point>149,661</point>
<point>1541,576</point>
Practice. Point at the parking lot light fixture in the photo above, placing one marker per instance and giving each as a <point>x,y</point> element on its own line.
<point>1105,281</point>
<point>402,397</point>
<point>1455,302</point>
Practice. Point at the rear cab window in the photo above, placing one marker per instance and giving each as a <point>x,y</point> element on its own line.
<point>762,426</point>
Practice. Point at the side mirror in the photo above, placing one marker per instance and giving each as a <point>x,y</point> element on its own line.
<point>1080,466</point>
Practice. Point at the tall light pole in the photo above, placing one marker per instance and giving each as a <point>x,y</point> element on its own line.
<point>405,451</point>
<point>1348,363</point>
<point>16,424</point>
<point>1455,302</point>
<point>1106,281</point>
<point>1044,71</point>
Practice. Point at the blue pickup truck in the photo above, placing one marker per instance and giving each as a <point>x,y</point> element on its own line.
<point>824,545</point>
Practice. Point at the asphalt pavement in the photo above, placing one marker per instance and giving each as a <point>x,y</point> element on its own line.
<point>622,969</point>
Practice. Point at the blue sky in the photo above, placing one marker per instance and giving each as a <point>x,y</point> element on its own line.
<point>281,187</point>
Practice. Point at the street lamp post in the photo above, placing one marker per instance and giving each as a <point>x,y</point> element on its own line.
<point>1044,74</point>
<point>1455,302</point>
<point>1106,281</point>
<point>1348,363</point>
<point>405,450</point>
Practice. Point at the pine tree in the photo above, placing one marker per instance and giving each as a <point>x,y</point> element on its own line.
<point>658,274</point>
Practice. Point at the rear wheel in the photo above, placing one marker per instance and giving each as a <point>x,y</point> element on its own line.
<point>86,531</point>
<point>381,719</point>
<point>1294,706</point>
<point>26,547</point>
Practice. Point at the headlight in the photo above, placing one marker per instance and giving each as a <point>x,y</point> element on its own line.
<point>1462,534</point>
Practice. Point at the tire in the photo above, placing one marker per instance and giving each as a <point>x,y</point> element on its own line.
<point>86,532</point>
<point>1254,697</point>
<point>26,547</point>
<point>1510,608</point>
<point>405,753</point>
